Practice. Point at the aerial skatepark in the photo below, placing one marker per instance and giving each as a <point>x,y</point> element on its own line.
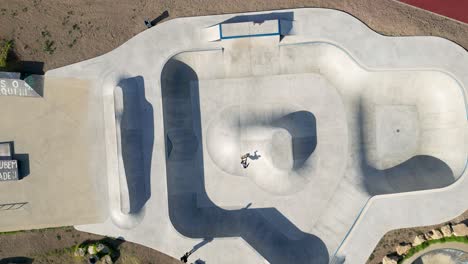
<point>350,133</point>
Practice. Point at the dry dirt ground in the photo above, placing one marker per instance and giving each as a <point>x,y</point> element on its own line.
<point>55,245</point>
<point>61,32</point>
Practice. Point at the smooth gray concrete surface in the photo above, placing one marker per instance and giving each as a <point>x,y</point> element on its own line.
<point>57,140</point>
<point>353,130</point>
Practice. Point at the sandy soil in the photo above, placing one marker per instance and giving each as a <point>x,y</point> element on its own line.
<point>61,32</point>
<point>50,246</point>
<point>390,241</point>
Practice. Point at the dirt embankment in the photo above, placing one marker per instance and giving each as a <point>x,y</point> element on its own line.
<point>55,245</point>
<point>61,32</point>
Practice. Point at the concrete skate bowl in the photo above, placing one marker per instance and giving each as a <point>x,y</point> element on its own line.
<point>287,134</point>
<point>134,134</point>
<point>410,123</point>
<point>185,177</point>
<point>413,140</point>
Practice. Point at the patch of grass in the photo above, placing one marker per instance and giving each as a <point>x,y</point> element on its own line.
<point>59,237</point>
<point>45,33</point>
<point>5,48</point>
<point>10,232</point>
<point>72,43</point>
<point>426,244</point>
<point>49,46</point>
<point>65,20</point>
<point>25,9</point>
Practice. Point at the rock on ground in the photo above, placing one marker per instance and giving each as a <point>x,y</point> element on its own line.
<point>446,230</point>
<point>460,230</point>
<point>403,249</point>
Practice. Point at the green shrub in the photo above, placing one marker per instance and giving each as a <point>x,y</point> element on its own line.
<point>5,47</point>
<point>426,244</point>
<point>49,46</point>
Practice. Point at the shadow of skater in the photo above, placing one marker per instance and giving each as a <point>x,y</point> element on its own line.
<point>185,257</point>
<point>201,244</point>
<point>255,156</point>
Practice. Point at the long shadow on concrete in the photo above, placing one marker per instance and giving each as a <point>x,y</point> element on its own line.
<point>190,210</point>
<point>137,137</point>
<point>418,173</point>
<point>302,126</point>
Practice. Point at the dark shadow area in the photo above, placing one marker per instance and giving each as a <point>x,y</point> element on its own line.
<point>255,156</point>
<point>26,67</point>
<point>16,260</point>
<point>260,18</point>
<point>137,138</point>
<point>418,173</point>
<point>31,67</point>
<point>160,18</point>
<point>302,126</point>
<point>22,159</point>
<point>284,28</point>
<point>185,179</point>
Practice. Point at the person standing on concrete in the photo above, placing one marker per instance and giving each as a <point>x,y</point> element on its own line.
<point>184,258</point>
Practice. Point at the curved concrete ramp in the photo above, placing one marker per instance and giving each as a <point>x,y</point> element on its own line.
<point>283,137</point>
<point>134,138</point>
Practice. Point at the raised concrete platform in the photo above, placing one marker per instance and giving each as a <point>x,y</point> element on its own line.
<point>56,140</point>
<point>351,128</point>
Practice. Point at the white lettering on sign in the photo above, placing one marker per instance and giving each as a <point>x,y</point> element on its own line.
<point>15,87</point>
<point>5,176</point>
<point>8,170</point>
<point>8,164</point>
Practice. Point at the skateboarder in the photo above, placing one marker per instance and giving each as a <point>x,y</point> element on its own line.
<point>244,160</point>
